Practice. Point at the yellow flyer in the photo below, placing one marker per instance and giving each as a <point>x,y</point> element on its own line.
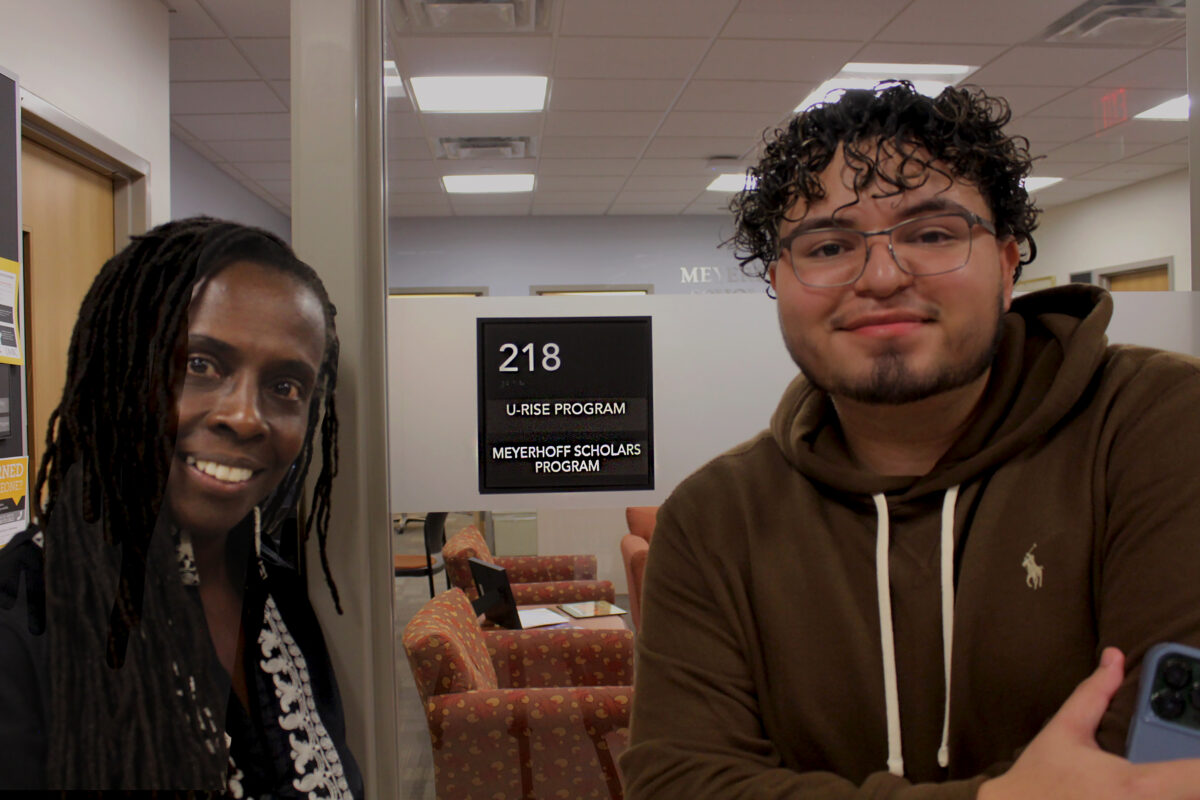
<point>10,339</point>
<point>14,492</point>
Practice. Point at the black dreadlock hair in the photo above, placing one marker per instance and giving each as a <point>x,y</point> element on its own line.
<point>958,134</point>
<point>99,492</point>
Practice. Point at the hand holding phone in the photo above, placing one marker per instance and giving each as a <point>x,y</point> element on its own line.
<point>1166,722</point>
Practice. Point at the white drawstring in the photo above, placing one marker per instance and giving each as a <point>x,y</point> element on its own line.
<point>891,695</point>
<point>948,503</point>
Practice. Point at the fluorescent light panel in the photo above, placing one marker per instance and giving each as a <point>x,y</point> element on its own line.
<point>487,184</point>
<point>928,79</point>
<point>1033,184</point>
<point>731,182</point>
<point>1176,109</point>
<point>480,94</point>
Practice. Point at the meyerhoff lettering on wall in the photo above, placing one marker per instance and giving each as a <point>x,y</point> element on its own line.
<point>565,404</point>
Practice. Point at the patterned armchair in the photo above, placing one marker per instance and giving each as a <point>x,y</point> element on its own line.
<point>535,580</point>
<point>635,546</point>
<point>516,714</point>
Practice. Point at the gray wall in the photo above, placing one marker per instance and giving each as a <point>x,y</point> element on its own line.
<point>200,187</point>
<point>508,255</point>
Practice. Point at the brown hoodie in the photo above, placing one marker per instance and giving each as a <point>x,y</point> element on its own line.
<point>1073,502</point>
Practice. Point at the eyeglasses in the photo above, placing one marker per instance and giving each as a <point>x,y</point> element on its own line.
<point>934,245</point>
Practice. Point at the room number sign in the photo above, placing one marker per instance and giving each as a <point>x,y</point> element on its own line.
<point>565,404</point>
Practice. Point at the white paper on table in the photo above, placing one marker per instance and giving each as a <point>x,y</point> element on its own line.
<point>539,617</point>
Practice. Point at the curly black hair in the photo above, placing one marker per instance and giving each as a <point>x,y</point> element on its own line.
<point>959,134</point>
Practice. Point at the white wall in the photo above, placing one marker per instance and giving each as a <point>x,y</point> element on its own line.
<point>199,187</point>
<point>677,255</point>
<point>104,62</point>
<point>1132,224</point>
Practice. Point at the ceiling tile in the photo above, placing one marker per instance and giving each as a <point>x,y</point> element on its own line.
<point>283,90</point>
<point>399,185</point>
<point>1050,167</point>
<point>974,22</point>
<point>713,123</point>
<point>601,123</point>
<point>673,166</point>
<point>223,97</point>
<point>1052,129</point>
<point>568,209</point>
<point>1167,154</point>
<point>1097,149</point>
<point>586,166</point>
<point>412,168</point>
<point>1071,191</point>
<point>851,20</point>
<point>657,196</point>
<point>419,210</point>
<point>648,183</point>
<point>409,148</point>
<point>257,18</point>
<point>1097,102</point>
<point>511,200</point>
<point>188,20</point>
<point>762,59</point>
<point>414,198</point>
<point>209,60</point>
<point>422,56</point>
<point>778,97</point>
<point>593,147</point>
<point>569,198</point>
<point>1050,65</point>
<point>271,57</point>
<point>659,18</point>
<point>1024,99</point>
<point>1128,171</point>
<point>223,127</point>
<point>641,209</point>
<point>490,210</point>
<point>266,170</point>
<point>259,150</point>
<point>598,94</point>
<point>1160,69</point>
<point>403,126</point>
<point>604,57</point>
<point>975,55</point>
<point>475,166</point>
<point>1147,131</point>
<point>697,147</point>
<point>578,183</point>
<point>442,125</point>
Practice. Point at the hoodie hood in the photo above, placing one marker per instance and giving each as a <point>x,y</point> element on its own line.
<point>1052,343</point>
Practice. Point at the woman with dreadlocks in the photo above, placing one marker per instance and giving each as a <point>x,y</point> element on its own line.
<point>151,635</point>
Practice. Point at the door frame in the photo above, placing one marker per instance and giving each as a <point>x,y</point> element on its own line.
<point>50,126</point>
<point>1097,275</point>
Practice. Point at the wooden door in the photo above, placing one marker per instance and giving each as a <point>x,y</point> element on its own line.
<point>67,220</point>
<point>1153,279</point>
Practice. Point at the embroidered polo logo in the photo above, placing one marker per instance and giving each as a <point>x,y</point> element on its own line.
<point>1033,570</point>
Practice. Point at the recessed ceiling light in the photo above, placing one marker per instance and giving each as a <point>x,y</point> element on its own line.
<point>928,79</point>
<point>1176,109</point>
<point>480,94</point>
<point>731,182</point>
<point>1033,184</point>
<point>487,184</point>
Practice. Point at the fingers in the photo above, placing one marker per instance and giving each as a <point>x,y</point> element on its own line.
<point>1169,780</point>
<point>1086,705</point>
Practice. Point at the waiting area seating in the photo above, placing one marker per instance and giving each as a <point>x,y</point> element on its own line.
<point>635,547</point>
<point>535,579</point>
<point>516,714</point>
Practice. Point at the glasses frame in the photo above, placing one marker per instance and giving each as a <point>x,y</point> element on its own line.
<point>785,245</point>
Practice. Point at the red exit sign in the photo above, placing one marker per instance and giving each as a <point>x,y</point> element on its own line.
<point>1113,108</point>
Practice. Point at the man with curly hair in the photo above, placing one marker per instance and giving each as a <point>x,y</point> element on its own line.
<point>963,503</point>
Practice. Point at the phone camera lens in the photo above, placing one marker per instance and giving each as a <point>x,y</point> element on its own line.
<point>1195,696</point>
<point>1168,704</point>
<point>1176,673</point>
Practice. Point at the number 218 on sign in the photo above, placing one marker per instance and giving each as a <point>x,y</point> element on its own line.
<point>550,358</point>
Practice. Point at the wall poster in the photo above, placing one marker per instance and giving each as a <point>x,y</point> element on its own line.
<point>565,404</point>
<point>14,513</point>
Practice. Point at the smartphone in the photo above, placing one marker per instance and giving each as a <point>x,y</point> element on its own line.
<point>1166,722</point>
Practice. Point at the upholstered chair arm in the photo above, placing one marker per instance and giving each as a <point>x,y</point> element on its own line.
<point>526,569</point>
<point>561,657</point>
<point>550,742</point>
<point>533,594</point>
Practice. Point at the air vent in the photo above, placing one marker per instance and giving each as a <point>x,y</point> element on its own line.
<point>1120,22</point>
<point>473,147</point>
<point>476,16</point>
